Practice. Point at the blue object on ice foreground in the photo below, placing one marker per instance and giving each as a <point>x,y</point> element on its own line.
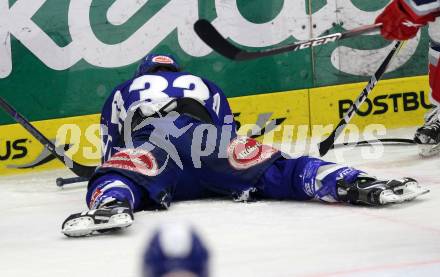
<point>176,250</point>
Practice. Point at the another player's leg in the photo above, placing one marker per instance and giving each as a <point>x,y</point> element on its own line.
<point>311,178</point>
<point>428,136</point>
<point>111,199</point>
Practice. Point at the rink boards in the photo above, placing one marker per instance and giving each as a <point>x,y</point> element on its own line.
<point>284,116</point>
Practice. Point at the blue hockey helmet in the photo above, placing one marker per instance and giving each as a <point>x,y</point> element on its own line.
<point>152,63</point>
<point>176,249</point>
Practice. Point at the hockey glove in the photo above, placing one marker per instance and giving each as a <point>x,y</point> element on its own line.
<point>399,22</point>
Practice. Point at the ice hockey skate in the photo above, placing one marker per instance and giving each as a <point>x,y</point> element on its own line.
<point>368,190</point>
<point>428,136</point>
<point>112,216</point>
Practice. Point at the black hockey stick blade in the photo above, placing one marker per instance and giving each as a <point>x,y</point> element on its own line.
<point>209,34</point>
<point>78,169</point>
<point>327,144</point>
<point>215,40</point>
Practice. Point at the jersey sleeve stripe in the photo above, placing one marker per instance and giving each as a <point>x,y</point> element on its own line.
<point>423,7</point>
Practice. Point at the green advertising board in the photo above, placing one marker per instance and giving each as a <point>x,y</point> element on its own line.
<point>61,58</point>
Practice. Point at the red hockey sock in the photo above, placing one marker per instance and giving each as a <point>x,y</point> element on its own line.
<point>434,72</point>
<point>434,83</point>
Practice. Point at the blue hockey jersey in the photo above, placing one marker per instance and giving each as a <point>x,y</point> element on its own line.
<point>149,93</point>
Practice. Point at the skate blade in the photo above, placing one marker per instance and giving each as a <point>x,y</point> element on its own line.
<point>429,150</point>
<point>84,226</point>
<point>410,191</point>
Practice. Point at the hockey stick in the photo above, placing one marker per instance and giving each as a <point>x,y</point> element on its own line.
<point>326,144</point>
<point>78,169</point>
<point>387,141</point>
<point>65,181</point>
<point>207,32</point>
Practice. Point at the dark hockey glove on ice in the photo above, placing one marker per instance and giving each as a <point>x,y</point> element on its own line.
<point>112,216</point>
<point>369,190</point>
<point>428,136</point>
<point>429,133</point>
<point>249,195</point>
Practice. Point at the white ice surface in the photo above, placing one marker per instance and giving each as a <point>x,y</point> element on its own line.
<point>267,238</point>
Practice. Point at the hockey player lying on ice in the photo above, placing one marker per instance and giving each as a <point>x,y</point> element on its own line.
<point>169,135</point>
<point>401,20</point>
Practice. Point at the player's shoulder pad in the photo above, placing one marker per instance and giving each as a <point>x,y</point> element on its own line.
<point>123,86</point>
<point>186,73</point>
<point>212,86</point>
